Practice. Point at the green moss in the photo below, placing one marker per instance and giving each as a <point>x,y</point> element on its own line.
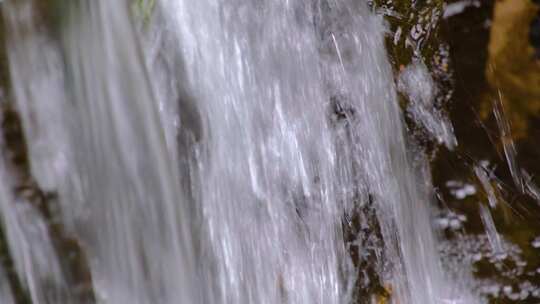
<point>143,9</point>
<point>406,17</point>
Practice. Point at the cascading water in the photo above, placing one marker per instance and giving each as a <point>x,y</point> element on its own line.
<point>214,158</point>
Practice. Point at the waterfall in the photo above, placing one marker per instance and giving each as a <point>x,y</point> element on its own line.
<point>217,154</point>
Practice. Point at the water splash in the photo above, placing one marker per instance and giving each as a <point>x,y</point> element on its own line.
<point>418,85</point>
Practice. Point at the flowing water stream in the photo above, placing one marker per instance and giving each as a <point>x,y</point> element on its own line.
<point>221,152</point>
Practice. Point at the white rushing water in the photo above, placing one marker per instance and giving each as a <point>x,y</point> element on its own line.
<point>215,154</point>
